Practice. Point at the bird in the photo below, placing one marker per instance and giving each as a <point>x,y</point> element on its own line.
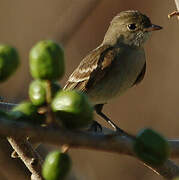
<point>117,64</point>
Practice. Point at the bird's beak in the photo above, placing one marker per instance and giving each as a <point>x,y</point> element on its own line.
<point>153,27</point>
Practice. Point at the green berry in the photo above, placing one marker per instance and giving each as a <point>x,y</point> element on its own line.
<point>37,91</point>
<point>47,60</point>
<point>151,147</point>
<point>73,109</point>
<point>56,166</point>
<point>176,178</point>
<point>26,111</point>
<point>9,61</point>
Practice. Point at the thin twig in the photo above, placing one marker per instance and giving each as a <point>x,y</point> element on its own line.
<point>50,118</point>
<point>30,158</point>
<point>175,13</point>
<point>8,167</point>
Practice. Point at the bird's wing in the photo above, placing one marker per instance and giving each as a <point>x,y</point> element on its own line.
<point>91,69</point>
<point>140,76</point>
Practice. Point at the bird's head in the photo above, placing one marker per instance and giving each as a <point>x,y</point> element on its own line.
<point>131,28</point>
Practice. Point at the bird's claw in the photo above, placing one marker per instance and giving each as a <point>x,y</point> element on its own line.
<point>95,127</point>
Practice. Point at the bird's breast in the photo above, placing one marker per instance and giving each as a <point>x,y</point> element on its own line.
<point>120,77</point>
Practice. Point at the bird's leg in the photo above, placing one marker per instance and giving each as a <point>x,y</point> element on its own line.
<point>98,109</point>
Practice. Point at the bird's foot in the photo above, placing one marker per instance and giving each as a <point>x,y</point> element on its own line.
<point>119,130</point>
<point>95,127</point>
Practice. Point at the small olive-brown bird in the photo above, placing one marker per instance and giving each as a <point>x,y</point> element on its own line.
<point>117,64</point>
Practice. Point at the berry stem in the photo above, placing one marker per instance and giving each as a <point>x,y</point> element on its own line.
<point>48,91</point>
<point>65,148</point>
<point>50,117</point>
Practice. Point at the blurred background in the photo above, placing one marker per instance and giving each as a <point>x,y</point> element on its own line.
<point>80,26</point>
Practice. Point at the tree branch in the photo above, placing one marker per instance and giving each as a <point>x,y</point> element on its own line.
<point>6,106</point>
<point>78,139</point>
<point>108,142</point>
<point>28,155</point>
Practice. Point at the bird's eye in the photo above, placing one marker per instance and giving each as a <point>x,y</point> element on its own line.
<point>131,27</point>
